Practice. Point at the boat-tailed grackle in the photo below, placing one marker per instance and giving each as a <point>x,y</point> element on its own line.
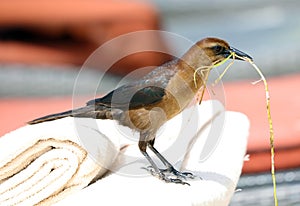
<point>146,104</point>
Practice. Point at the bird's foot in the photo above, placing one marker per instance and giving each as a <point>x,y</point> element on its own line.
<point>162,174</point>
<point>178,174</point>
<point>170,179</point>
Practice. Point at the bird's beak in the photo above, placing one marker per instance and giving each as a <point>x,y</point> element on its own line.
<point>239,54</point>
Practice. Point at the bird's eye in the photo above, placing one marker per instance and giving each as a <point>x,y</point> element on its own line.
<point>217,49</point>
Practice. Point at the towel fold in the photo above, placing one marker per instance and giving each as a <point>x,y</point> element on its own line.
<point>41,164</point>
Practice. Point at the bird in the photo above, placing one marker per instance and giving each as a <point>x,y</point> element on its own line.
<point>146,104</point>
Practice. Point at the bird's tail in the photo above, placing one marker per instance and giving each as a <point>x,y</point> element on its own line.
<point>88,111</point>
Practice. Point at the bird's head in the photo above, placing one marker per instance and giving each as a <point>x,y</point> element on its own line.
<point>210,51</point>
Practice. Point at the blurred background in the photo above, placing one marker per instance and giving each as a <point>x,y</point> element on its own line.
<point>43,45</point>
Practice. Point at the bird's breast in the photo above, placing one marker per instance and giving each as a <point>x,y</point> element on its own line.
<point>180,91</point>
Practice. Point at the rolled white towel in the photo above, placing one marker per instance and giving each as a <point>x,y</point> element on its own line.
<point>42,163</point>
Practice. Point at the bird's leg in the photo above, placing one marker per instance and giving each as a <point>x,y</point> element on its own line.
<point>155,171</point>
<point>169,167</point>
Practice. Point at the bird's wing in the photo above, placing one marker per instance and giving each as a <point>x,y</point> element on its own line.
<point>146,91</point>
<point>130,96</point>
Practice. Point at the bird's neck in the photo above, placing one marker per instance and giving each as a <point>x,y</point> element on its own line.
<point>182,88</point>
<point>193,77</point>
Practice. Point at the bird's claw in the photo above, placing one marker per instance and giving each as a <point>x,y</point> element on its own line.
<point>163,177</point>
<point>169,179</point>
<point>178,174</point>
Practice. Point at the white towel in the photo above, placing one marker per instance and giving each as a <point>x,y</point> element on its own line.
<point>54,162</point>
<point>40,164</point>
<point>190,138</point>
